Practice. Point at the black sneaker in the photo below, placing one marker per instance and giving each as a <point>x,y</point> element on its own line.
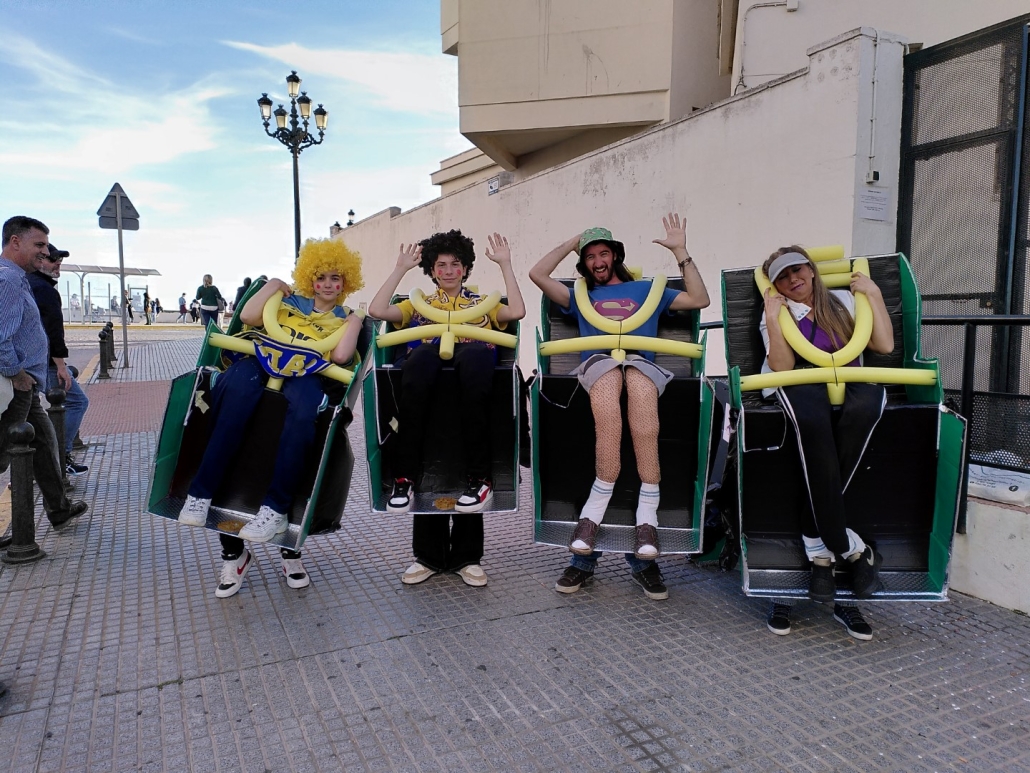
<point>73,469</point>
<point>400,496</point>
<point>572,579</point>
<point>779,619</point>
<point>60,517</point>
<point>822,586</point>
<point>852,619</point>
<point>651,581</point>
<point>865,573</point>
<point>476,497</point>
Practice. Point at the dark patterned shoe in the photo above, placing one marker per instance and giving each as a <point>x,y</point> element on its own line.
<point>779,619</point>
<point>852,619</point>
<point>865,573</point>
<point>582,542</point>
<point>647,546</point>
<point>822,586</point>
<point>572,580</point>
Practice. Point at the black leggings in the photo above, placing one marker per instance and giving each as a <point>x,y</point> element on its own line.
<point>830,453</point>
<point>232,548</point>
<point>474,366</point>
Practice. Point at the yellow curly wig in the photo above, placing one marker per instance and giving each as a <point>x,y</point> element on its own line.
<point>323,256</point>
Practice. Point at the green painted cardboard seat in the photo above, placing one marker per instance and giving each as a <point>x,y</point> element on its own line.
<point>904,497</point>
<point>319,503</point>
<point>563,443</point>
<point>442,478</point>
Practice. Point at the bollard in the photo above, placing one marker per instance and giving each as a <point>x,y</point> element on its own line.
<point>56,398</point>
<point>111,354</point>
<point>102,335</point>
<point>23,548</point>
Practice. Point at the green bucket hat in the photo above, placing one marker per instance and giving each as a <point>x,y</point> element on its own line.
<point>592,235</point>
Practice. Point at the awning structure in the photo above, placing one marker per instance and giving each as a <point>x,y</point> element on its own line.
<point>82,270</point>
<point>79,268</point>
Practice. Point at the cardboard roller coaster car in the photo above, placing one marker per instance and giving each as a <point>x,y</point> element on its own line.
<point>563,426</point>
<point>904,497</point>
<point>442,479</point>
<point>321,495</point>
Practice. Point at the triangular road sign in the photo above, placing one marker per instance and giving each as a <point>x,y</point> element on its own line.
<point>108,208</point>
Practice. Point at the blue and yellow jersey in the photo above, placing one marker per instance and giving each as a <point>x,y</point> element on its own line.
<point>298,318</point>
<point>440,300</point>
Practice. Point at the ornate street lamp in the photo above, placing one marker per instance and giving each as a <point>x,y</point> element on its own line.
<point>294,135</point>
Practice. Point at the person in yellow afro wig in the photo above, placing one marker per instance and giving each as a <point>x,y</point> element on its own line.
<point>326,256</point>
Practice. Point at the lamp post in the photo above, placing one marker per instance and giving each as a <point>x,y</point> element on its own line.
<point>294,136</point>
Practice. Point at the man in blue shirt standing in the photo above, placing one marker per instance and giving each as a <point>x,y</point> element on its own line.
<point>24,356</point>
<point>48,299</point>
<point>614,294</point>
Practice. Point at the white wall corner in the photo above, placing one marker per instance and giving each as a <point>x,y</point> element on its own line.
<point>990,561</point>
<point>877,141</point>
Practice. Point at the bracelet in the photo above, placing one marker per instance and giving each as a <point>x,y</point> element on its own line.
<point>684,262</point>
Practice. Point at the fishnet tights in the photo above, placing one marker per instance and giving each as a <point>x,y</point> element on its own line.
<point>642,399</point>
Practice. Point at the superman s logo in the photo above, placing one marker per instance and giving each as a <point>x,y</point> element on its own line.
<point>616,308</point>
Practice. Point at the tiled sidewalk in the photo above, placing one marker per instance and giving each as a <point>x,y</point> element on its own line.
<point>118,656</point>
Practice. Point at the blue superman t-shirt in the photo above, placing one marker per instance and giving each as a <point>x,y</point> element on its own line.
<point>618,302</point>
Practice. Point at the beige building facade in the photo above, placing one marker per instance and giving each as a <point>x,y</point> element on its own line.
<point>540,83</point>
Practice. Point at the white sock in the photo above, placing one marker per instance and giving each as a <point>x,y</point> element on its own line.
<point>814,548</point>
<point>647,504</point>
<point>857,546</point>
<point>597,502</point>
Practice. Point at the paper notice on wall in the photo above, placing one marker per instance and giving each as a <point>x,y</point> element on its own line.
<point>874,203</point>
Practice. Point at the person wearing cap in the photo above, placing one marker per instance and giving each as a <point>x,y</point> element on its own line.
<point>24,354</point>
<point>442,542</point>
<point>44,289</point>
<point>830,452</point>
<point>615,294</point>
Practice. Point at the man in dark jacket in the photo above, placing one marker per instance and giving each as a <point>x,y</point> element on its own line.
<point>48,299</point>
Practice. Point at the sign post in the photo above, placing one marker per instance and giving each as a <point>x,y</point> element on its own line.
<point>117,212</point>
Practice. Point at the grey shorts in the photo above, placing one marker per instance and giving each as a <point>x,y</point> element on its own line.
<point>597,365</point>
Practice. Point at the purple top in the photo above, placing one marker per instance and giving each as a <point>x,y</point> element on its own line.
<point>820,338</point>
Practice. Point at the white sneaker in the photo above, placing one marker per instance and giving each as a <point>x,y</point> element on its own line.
<point>265,525</point>
<point>233,573</point>
<point>296,577</point>
<point>416,573</point>
<point>194,511</point>
<point>473,575</point>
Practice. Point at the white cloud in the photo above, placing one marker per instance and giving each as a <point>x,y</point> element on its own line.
<point>101,127</point>
<point>414,83</point>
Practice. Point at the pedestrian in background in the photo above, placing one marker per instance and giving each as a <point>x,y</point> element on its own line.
<point>183,311</point>
<point>240,292</point>
<point>208,297</point>
<point>128,305</point>
<point>24,353</point>
<point>48,300</point>
<point>147,308</point>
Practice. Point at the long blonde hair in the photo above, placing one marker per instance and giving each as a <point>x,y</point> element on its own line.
<point>829,312</point>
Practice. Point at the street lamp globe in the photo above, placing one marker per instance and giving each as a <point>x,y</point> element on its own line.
<point>321,118</point>
<point>304,104</point>
<point>293,84</point>
<point>266,108</point>
<point>280,117</point>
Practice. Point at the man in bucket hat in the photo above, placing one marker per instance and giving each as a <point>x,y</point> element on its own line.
<point>615,294</point>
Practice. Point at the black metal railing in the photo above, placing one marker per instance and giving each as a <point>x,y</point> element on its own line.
<point>969,324</point>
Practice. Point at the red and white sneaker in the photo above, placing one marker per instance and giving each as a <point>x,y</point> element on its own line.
<point>233,573</point>
<point>476,497</point>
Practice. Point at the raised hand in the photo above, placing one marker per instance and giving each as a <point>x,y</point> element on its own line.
<point>860,283</point>
<point>675,232</point>
<point>773,303</point>
<point>409,256</point>
<point>498,251</point>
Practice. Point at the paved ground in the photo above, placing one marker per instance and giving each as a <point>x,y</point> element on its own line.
<point>118,656</point>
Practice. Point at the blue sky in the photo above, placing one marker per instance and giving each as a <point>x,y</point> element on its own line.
<point>161,97</point>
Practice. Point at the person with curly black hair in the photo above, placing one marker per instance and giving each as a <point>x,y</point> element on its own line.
<point>447,258</point>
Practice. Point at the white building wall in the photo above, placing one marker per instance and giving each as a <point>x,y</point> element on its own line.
<point>771,39</point>
<point>779,164</point>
